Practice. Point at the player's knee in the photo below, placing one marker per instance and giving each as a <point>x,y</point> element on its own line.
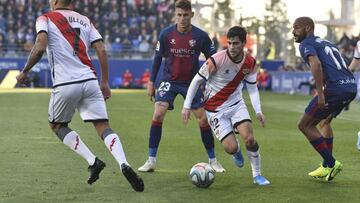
<point>61,130</point>
<point>249,140</point>
<point>203,122</point>
<point>301,126</point>
<point>55,127</point>
<point>158,117</point>
<point>231,147</point>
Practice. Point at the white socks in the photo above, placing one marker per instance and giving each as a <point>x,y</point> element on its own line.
<point>73,141</point>
<point>152,159</point>
<point>254,158</point>
<point>114,145</point>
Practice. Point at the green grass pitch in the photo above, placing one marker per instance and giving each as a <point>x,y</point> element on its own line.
<point>36,167</point>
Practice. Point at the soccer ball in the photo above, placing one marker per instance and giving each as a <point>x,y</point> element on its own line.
<point>202,175</point>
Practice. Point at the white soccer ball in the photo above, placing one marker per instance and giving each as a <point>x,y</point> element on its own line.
<point>202,175</point>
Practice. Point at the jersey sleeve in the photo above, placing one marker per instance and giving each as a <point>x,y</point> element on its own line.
<point>307,50</point>
<point>94,34</point>
<point>42,24</point>
<point>208,48</point>
<point>251,77</point>
<point>159,49</point>
<point>357,50</point>
<point>207,69</point>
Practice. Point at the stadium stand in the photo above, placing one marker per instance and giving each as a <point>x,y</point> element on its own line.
<point>129,27</point>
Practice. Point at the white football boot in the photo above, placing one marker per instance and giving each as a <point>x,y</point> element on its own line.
<point>216,166</point>
<point>149,166</point>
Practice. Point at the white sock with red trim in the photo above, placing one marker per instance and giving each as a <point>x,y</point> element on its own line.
<point>113,143</point>
<point>74,142</point>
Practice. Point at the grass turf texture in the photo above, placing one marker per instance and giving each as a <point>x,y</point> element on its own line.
<point>36,167</point>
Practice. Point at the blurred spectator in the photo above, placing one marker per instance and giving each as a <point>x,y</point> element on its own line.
<point>310,84</point>
<point>215,42</point>
<point>127,79</point>
<point>286,68</point>
<point>145,78</point>
<point>263,79</point>
<point>117,82</point>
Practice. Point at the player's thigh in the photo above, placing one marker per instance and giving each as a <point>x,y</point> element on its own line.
<point>92,107</point>
<point>337,102</point>
<point>241,122</point>
<point>166,92</point>
<point>230,143</point>
<point>63,102</point>
<point>220,125</point>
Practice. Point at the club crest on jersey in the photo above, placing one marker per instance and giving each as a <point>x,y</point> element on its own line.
<point>245,71</point>
<point>172,41</point>
<point>192,42</point>
<point>161,93</point>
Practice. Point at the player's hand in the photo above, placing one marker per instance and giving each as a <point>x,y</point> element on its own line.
<point>21,77</point>
<point>185,115</point>
<point>151,90</point>
<point>261,118</point>
<point>321,101</point>
<point>105,89</point>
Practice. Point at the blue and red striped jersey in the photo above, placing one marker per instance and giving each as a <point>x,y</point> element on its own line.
<point>181,52</point>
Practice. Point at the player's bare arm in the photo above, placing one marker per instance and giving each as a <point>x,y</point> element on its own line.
<point>35,55</point>
<point>354,65</point>
<point>316,69</point>
<point>104,83</point>
<point>151,90</point>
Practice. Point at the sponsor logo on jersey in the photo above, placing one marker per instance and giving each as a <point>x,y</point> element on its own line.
<point>192,42</point>
<point>172,41</point>
<point>306,50</point>
<point>182,52</point>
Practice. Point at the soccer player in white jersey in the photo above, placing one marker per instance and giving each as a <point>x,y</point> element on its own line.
<point>225,108</point>
<point>66,36</point>
<point>355,66</point>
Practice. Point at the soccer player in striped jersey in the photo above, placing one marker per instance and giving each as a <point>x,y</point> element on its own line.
<point>225,108</point>
<point>180,45</point>
<point>66,36</point>
<point>336,88</point>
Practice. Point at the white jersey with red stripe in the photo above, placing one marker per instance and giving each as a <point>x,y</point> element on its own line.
<point>70,35</point>
<point>224,79</point>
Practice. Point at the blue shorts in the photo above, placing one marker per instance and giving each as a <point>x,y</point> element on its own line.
<point>168,91</point>
<point>336,102</point>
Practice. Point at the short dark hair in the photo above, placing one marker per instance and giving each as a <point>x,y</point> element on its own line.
<point>306,21</point>
<point>183,4</point>
<point>237,31</point>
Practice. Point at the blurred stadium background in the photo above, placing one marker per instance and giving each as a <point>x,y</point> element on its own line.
<point>130,29</point>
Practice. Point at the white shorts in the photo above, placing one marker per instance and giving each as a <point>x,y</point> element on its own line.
<point>86,97</point>
<point>222,122</point>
